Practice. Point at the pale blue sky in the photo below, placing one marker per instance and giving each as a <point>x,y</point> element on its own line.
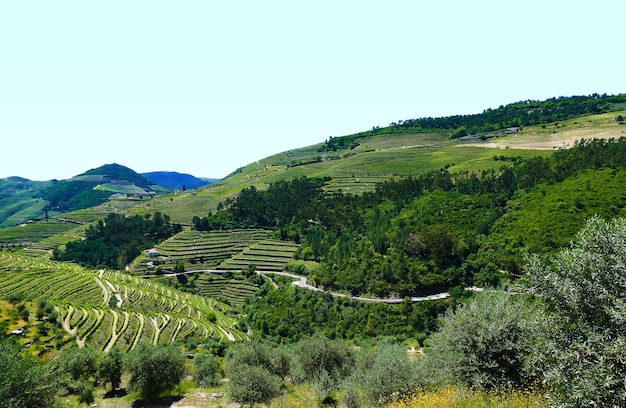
<point>205,87</point>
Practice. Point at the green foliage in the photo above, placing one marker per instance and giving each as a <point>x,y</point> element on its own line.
<point>85,390</point>
<point>324,363</point>
<point>207,370</point>
<point>523,113</point>
<point>24,381</point>
<point>484,344</point>
<point>582,351</point>
<point>69,195</point>
<point>117,240</point>
<point>289,315</point>
<point>254,375</point>
<point>78,363</point>
<point>155,369</point>
<point>252,385</point>
<point>382,375</point>
<point>110,367</point>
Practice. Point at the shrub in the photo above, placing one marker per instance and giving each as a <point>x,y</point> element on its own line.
<point>484,343</point>
<point>24,381</point>
<point>155,369</point>
<point>582,354</point>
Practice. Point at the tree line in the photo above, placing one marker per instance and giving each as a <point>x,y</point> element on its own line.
<point>518,114</point>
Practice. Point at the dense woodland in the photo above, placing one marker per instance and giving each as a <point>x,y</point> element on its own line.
<point>425,234</point>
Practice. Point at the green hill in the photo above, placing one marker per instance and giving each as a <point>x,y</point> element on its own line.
<point>22,200</point>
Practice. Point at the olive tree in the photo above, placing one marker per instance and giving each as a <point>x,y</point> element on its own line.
<point>324,363</point>
<point>584,349</point>
<point>254,375</point>
<point>155,369</point>
<point>207,370</point>
<point>111,366</point>
<point>24,381</point>
<point>382,375</point>
<point>485,343</point>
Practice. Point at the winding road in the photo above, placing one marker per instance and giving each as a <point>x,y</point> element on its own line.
<point>300,281</point>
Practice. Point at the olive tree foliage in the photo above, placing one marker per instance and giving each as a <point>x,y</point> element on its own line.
<point>155,369</point>
<point>485,343</point>
<point>78,363</point>
<point>207,370</point>
<point>24,381</point>
<point>382,375</point>
<point>255,373</point>
<point>80,368</point>
<point>110,367</point>
<point>583,354</point>
<point>324,363</point>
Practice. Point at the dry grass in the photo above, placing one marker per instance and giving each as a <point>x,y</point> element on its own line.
<point>457,397</point>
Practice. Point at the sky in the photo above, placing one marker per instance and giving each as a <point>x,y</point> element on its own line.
<point>205,87</point>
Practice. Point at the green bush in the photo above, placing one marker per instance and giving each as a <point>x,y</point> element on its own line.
<point>582,352</point>
<point>24,381</point>
<point>155,369</point>
<point>484,343</point>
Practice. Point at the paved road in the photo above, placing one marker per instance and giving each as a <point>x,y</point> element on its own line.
<point>300,281</point>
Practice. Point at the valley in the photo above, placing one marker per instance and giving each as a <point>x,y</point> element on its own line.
<point>365,246</point>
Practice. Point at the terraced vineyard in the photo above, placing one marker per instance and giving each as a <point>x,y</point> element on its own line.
<point>101,211</point>
<point>266,255</point>
<point>198,250</point>
<point>33,232</point>
<point>106,308</point>
<point>38,239</point>
<point>354,185</point>
<point>233,291</point>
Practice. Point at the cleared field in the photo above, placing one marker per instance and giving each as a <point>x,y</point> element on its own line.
<point>104,308</point>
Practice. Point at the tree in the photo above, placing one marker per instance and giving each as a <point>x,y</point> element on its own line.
<point>484,343</point>
<point>324,363</point>
<point>110,367</point>
<point>78,363</point>
<point>207,370</point>
<point>582,353</point>
<point>252,384</point>
<point>155,369</point>
<point>381,375</point>
<point>254,376</point>
<point>24,381</point>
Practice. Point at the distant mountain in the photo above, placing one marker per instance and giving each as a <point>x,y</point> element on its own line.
<point>177,181</point>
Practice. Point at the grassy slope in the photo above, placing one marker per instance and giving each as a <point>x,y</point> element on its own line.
<point>382,156</point>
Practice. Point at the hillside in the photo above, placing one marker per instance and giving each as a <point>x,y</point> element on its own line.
<point>106,308</point>
<point>23,200</point>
